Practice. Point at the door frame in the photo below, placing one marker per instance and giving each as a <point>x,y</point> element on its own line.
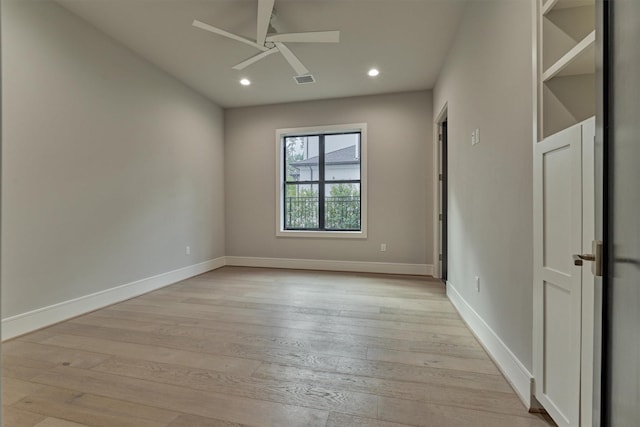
<point>607,49</point>
<point>590,282</point>
<point>595,413</point>
<point>437,169</point>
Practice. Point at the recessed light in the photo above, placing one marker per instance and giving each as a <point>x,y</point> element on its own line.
<point>245,82</point>
<point>373,72</point>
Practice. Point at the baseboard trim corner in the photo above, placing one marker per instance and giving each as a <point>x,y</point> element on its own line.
<point>514,371</point>
<point>46,316</point>
<point>332,265</point>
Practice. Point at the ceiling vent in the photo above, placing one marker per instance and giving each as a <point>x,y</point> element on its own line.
<point>303,80</point>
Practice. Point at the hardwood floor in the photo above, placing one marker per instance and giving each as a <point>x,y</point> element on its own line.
<point>259,347</point>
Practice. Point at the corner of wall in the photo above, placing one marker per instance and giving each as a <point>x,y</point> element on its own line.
<point>486,85</point>
<point>508,363</point>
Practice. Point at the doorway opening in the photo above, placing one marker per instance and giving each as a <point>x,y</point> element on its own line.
<point>441,192</point>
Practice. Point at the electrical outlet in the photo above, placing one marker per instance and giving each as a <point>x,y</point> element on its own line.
<point>187,250</point>
<point>477,284</point>
<point>383,247</point>
<point>473,138</point>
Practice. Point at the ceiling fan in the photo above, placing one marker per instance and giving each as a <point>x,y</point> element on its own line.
<point>273,42</point>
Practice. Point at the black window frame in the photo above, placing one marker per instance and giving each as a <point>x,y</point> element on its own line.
<point>321,182</point>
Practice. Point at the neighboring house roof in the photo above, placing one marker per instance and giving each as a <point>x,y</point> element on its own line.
<point>344,156</point>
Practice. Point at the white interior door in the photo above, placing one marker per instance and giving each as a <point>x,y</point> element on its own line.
<point>557,281</point>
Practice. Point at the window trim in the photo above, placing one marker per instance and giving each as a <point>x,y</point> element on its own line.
<point>325,130</point>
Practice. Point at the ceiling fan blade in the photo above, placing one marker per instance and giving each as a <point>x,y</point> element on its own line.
<point>207,27</point>
<point>309,37</point>
<point>244,64</point>
<point>292,59</point>
<point>265,8</point>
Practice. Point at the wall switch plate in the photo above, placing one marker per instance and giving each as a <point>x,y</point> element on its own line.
<point>477,136</point>
<point>383,247</point>
<point>477,281</point>
<point>187,250</point>
<point>473,138</point>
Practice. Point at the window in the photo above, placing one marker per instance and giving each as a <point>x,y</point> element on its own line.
<point>321,186</point>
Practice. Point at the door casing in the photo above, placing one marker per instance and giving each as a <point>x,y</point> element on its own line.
<point>437,208</point>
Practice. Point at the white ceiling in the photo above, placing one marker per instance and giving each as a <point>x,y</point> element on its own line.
<point>406,39</point>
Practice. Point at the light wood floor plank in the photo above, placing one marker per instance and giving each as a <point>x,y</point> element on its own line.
<point>349,338</point>
<point>12,417</point>
<point>235,365</point>
<point>337,419</point>
<point>39,352</point>
<point>420,374</point>
<point>253,347</point>
<point>430,318</point>
<point>222,406</point>
<point>494,401</point>
<point>322,307</point>
<point>56,422</point>
<point>14,389</point>
<point>93,410</point>
<point>22,368</point>
<point>354,325</point>
<point>186,420</point>
<point>239,333</point>
<point>485,366</point>
<point>417,290</point>
<point>282,390</point>
<point>357,300</point>
<point>429,415</point>
<point>191,313</point>
<point>265,354</point>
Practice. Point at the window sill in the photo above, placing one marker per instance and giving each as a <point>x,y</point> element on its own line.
<point>323,234</point>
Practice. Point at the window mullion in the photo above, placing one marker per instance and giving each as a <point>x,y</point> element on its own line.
<point>321,182</point>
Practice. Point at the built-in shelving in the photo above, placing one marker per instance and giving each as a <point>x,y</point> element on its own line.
<point>566,58</point>
<point>564,4</point>
<point>579,60</point>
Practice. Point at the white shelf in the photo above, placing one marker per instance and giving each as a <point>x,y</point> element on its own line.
<point>579,60</point>
<point>564,4</point>
<point>564,38</point>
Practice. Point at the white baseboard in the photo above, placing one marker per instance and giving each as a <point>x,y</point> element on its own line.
<point>510,366</point>
<point>46,316</point>
<point>316,264</point>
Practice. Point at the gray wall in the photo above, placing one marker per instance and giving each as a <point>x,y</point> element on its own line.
<point>399,168</point>
<point>110,167</point>
<point>487,83</point>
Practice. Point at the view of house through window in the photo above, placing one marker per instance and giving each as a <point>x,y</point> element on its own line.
<point>321,185</point>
